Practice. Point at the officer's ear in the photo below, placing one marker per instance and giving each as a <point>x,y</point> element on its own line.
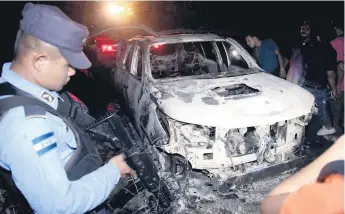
<point>40,61</point>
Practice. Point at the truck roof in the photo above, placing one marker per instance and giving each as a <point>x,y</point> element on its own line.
<point>177,38</point>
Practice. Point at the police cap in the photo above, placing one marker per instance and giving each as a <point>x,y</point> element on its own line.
<point>50,24</point>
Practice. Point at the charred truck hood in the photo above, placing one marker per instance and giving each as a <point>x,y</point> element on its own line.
<point>232,102</point>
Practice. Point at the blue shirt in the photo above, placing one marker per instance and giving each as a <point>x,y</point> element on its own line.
<point>36,149</point>
<point>266,55</point>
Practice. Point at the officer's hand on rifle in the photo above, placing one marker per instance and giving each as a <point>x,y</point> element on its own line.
<point>120,163</point>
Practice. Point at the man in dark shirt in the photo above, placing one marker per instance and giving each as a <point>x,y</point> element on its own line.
<point>319,62</point>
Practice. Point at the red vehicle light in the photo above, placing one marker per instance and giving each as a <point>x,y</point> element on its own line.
<point>107,48</point>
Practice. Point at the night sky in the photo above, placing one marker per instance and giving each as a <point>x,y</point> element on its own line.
<point>280,20</point>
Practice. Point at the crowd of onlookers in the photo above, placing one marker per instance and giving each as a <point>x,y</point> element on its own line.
<point>316,65</point>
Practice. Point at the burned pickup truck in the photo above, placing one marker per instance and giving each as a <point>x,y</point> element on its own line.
<point>203,99</point>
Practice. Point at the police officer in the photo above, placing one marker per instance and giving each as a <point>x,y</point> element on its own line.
<point>35,146</point>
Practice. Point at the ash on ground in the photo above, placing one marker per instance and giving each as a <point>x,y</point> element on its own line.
<point>194,195</point>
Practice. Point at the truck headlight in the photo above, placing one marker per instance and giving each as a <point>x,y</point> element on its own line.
<point>192,135</point>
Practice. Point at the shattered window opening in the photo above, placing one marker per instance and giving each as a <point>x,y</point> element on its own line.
<point>127,65</point>
<point>137,64</point>
<point>235,58</point>
<point>223,54</point>
<point>194,58</point>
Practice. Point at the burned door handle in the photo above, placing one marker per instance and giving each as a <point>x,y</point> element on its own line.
<point>125,86</point>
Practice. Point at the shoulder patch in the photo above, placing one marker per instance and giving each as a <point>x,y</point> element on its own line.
<point>47,97</point>
<point>34,112</point>
<point>44,143</point>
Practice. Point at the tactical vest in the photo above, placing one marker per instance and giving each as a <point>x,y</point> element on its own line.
<point>85,158</point>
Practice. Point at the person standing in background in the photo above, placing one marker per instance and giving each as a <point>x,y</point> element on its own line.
<point>319,63</point>
<point>296,72</point>
<point>267,54</point>
<point>337,103</point>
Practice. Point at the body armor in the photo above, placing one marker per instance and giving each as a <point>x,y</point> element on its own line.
<point>73,112</point>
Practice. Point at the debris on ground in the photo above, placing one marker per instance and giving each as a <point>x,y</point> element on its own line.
<point>193,193</point>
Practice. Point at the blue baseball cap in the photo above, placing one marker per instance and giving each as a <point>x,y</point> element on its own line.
<point>51,25</point>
